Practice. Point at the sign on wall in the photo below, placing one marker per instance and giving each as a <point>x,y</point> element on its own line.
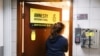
<point>82,16</point>
<point>43,17</point>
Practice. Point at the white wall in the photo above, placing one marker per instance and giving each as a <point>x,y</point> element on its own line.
<point>1,28</point>
<point>7,27</point>
<point>92,8</point>
<point>14,27</point>
<point>9,17</point>
<point>1,23</point>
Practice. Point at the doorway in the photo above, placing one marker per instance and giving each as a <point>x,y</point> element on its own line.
<point>39,44</point>
<point>36,47</point>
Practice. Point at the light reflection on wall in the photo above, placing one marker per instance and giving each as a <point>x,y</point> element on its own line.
<point>65,15</point>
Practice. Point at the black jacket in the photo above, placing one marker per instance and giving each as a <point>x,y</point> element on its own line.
<point>56,46</point>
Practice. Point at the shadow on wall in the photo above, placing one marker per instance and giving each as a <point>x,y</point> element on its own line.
<point>1,50</point>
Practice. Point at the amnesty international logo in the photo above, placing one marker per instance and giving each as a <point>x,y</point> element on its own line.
<point>54,17</point>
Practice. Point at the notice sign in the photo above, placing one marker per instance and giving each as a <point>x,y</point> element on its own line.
<point>41,17</point>
<point>82,16</point>
<point>33,35</point>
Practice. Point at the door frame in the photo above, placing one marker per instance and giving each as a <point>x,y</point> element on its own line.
<point>71,30</point>
<point>19,29</point>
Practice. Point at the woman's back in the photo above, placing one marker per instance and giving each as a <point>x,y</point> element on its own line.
<point>57,46</point>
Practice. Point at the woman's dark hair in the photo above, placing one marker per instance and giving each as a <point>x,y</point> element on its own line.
<point>56,29</point>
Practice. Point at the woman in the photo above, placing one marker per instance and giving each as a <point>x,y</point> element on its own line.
<point>56,44</point>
